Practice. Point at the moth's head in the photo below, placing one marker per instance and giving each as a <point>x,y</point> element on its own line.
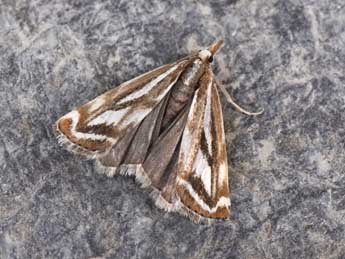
<point>207,54</point>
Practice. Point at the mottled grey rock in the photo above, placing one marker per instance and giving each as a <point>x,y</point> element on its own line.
<point>287,166</point>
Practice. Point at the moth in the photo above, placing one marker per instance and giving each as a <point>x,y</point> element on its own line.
<point>164,127</point>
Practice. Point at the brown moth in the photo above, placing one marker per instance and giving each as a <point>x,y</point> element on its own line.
<point>164,127</point>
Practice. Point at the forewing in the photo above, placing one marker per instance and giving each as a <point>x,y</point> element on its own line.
<point>94,128</point>
<point>202,181</point>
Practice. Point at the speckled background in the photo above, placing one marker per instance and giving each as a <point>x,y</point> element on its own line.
<point>287,166</point>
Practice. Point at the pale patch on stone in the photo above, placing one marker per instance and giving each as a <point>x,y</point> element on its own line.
<point>205,10</point>
<point>265,151</point>
<point>113,59</point>
<point>322,163</point>
<point>192,43</point>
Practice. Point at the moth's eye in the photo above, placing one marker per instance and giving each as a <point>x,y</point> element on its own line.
<point>210,59</point>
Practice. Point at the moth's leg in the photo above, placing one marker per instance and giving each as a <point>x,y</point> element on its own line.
<point>231,101</point>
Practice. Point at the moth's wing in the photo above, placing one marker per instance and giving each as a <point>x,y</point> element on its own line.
<point>202,170</point>
<point>94,128</point>
<point>128,155</point>
<point>149,156</point>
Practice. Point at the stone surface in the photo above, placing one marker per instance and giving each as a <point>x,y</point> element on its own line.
<point>287,166</point>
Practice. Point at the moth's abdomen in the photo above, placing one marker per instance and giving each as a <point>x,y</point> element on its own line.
<point>183,91</point>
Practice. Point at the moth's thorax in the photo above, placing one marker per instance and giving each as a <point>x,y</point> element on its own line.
<point>183,90</point>
<point>204,55</point>
<point>191,76</point>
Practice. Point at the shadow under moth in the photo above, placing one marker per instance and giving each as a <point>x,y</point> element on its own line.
<point>164,127</point>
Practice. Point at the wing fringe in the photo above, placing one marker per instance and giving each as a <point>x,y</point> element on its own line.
<point>143,180</point>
